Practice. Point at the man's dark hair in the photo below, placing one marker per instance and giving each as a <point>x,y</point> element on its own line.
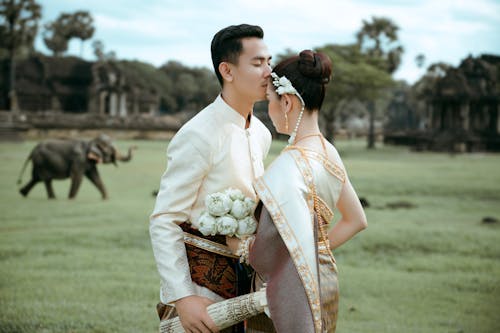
<point>227,46</point>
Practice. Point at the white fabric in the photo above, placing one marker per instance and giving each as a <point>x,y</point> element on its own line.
<point>211,152</point>
<point>327,188</point>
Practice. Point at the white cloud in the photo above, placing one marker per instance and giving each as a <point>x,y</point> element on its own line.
<point>158,30</point>
<point>140,26</point>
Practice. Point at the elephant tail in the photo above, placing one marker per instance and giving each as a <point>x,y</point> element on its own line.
<point>19,180</point>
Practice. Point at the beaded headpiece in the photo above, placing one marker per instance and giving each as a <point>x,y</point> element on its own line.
<point>284,86</point>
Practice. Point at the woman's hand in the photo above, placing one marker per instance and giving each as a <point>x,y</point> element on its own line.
<point>233,243</point>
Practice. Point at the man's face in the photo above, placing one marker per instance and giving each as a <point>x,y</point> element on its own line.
<point>251,73</point>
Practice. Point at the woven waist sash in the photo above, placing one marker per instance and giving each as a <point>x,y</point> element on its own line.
<point>208,245</point>
<point>211,263</point>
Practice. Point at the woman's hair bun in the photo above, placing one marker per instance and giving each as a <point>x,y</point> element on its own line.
<point>315,65</point>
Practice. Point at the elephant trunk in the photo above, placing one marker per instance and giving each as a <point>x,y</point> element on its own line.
<point>126,158</point>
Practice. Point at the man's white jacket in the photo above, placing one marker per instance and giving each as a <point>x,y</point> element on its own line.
<point>212,152</point>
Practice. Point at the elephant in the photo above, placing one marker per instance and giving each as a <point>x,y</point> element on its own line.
<point>61,159</point>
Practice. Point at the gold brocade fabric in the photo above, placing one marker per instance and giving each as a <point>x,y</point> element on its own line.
<point>329,287</point>
<point>327,268</point>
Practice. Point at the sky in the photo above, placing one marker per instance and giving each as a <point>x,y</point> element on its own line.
<point>156,31</point>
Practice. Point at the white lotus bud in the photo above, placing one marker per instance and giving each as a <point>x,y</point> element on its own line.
<point>240,209</point>
<point>246,226</point>
<point>234,194</point>
<point>250,204</point>
<point>207,224</point>
<point>226,225</point>
<point>218,203</point>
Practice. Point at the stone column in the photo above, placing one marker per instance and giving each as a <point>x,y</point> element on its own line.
<point>102,102</point>
<point>136,105</point>
<point>430,116</point>
<point>113,107</point>
<point>123,105</point>
<point>134,100</point>
<point>55,105</point>
<point>485,116</point>
<point>464,115</point>
<point>14,104</point>
<point>498,118</point>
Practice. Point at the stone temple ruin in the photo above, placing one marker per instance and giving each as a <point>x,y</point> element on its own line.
<point>72,93</point>
<point>458,111</point>
<point>466,104</point>
<point>461,112</point>
<point>74,85</point>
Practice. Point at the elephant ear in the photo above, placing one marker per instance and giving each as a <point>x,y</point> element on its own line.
<point>104,145</point>
<point>94,153</point>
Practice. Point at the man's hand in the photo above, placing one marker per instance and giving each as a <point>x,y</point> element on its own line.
<point>193,314</point>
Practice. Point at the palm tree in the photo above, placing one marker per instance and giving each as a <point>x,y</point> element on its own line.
<point>18,28</point>
<point>55,38</point>
<point>82,27</point>
<point>378,39</point>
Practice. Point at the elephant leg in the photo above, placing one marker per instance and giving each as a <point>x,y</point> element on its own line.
<point>27,188</point>
<point>76,180</point>
<point>50,190</point>
<point>93,176</point>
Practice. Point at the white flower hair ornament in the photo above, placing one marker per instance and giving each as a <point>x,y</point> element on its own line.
<point>284,86</point>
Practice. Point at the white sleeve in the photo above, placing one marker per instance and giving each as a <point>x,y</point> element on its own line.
<point>188,163</point>
<point>267,142</point>
<point>265,139</point>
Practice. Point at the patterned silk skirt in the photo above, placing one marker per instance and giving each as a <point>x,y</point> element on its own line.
<point>329,288</point>
<point>287,300</point>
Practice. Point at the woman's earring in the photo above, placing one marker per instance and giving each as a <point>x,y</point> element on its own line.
<point>286,121</point>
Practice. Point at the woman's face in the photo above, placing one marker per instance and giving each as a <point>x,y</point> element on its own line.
<point>275,109</point>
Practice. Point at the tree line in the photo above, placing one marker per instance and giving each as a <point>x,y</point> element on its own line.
<point>362,70</point>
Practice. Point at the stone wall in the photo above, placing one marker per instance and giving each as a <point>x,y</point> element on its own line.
<point>40,125</point>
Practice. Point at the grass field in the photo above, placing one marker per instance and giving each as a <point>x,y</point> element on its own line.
<point>86,265</point>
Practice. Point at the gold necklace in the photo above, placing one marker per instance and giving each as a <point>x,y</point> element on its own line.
<point>322,142</point>
<point>307,136</point>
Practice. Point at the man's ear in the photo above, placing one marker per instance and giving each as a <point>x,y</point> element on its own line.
<point>225,71</point>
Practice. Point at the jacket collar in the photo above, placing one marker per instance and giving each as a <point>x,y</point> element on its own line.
<point>230,114</point>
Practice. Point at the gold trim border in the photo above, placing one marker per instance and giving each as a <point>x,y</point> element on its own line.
<point>294,248</point>
<point>208,245</point>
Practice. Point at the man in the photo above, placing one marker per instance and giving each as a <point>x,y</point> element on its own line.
<point>222,147</point>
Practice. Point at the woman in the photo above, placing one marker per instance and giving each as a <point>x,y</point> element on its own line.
<point>291,251</point>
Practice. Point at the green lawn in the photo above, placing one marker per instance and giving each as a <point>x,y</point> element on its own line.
<point>86,265</point>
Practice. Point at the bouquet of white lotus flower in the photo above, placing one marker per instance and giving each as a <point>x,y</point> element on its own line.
<point>228,213</point>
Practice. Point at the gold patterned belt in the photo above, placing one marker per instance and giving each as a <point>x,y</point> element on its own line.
<point>208,245</point>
